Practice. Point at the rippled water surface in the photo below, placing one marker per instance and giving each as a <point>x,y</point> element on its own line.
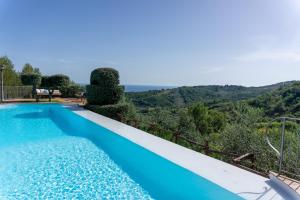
<point>38,160</point>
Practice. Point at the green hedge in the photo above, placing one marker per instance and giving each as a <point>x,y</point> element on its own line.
<point>71,91</point>
<point>31,79</point>
<point>45,81</point>
<point>59,80</point>
<point>115,111</point>
<point>55,81</point>
<point>107,77</point>
<point>101,95</point>
<point>104,88</point>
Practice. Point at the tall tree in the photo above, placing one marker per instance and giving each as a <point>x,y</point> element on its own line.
<point>206,120</point>
<point>199,113</point>
<point>11,77</point>
<point>28,69</point>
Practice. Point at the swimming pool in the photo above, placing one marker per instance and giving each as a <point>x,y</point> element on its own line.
<point>47,151</point>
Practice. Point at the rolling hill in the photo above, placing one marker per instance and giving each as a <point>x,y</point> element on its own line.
<point>183,96</point>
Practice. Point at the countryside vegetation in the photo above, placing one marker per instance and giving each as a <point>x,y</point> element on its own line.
<point>231,120</point>
<point>222,121</point>
<point>32,78</point>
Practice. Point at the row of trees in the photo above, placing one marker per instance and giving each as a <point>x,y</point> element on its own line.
<point>31,76</point>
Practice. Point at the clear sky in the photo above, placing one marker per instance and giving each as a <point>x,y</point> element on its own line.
<point>156,42</point>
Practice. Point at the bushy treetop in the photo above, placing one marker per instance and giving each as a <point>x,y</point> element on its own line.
<point>104,88</point>
<point>105,76</point>
<point>55,81</point>
<point>31,79</point>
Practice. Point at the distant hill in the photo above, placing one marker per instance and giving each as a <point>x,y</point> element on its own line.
<point>183,96</point>
<point>279,102</point>
<point>143,88</point>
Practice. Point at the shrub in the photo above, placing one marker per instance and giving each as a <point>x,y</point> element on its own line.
<point>104,88</point>
<point>100,95</point>
<point>31,79</point>
<point>71,91</point>
<point>114,111</point>
<point>105,76</point>
<point>45,82</point>
<point>59,81</point>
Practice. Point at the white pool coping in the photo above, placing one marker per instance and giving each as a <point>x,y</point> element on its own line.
<point>241,182</point>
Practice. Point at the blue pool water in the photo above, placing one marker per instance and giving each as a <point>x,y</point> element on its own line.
<point>47,151</point>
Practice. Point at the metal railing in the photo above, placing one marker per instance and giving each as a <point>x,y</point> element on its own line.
<point>288,144</point>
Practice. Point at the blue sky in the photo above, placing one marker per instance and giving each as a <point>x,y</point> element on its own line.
<point>156,42</point>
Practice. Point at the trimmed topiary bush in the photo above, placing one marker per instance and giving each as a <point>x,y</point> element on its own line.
<point>45,82</point>
<point>100,95</point>
<point>59,80</point>
<point>31,79</point>
<point>55,81</point>
<point>105,76</point>
<point>104,88</point>
<point>115,111</point>
<point>71,91</point>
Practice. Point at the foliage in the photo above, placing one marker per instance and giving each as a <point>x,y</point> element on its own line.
<point>185,123</point>
<point>105,76</point>
<point>45,82</point>
<point>114,111</point>
<point>199,114</point>
<point>185,96</point>
<point>206,121</point>
<point>283,101</point>
<point>72,91</point>
<point>58,81</point>
<point>28,69</point>
<point>104,88</point>
<point>31,79</point>
<point>11,77</point>
<point>240,135</point>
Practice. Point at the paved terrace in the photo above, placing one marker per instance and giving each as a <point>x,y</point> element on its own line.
<point>241,182</point>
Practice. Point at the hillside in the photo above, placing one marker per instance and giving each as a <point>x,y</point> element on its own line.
<point>279,102</point>
<point>183,96</point>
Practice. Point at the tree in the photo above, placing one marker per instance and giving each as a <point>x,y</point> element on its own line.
<point>31,79</point>
<point>199,113</point>
<point>57,81</point>
<point>104,88</point>
<point>11,78</point>
<point>37,71</point>
<point>28,69</point>
<point>206,121</point>
<point>45,82</point>
<point>241,134</point>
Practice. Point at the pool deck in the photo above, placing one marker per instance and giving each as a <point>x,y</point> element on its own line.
<point>241,182</point>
